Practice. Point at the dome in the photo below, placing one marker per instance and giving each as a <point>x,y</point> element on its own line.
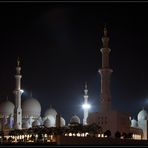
<point>134,123</point>
<point>50,112</point>
<point>7,108</point>
<point>47,123</point>
<point>142,115</point>
<point>75,119</point>
<point>40,120</point>
<point>26,125</point>
<point>31,107</point>
<point>36,123</point>
<point>62,122</point>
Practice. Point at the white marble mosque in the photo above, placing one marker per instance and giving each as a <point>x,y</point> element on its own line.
<point>26,114</point>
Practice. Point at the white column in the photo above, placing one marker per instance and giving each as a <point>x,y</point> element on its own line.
<point>18,92</point>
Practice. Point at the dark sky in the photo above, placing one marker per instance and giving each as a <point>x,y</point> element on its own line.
<point>59,46</point>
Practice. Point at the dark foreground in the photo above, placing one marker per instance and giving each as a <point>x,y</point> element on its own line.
<point>71,141</point>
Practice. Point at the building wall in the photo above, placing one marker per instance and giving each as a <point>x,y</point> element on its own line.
<point>113,121</point>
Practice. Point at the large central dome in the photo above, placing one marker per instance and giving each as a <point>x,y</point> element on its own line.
<point>31,107</point>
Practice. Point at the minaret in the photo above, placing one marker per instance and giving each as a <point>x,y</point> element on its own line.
<point>18,92</point>
<point>105,73</point>
<point>85,105</point>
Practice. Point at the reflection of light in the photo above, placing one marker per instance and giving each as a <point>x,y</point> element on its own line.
<point>86,106</point>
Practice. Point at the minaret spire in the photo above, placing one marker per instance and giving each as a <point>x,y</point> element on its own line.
<point>18,92</point>
<point>18,62</point>
<point>85,90</point>
<point>105,73</point>
<point>105,38</point>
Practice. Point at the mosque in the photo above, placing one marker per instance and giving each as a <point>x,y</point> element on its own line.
<point>26,114</point>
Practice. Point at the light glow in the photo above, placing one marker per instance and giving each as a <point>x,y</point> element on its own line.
<point>86,106</point>
<point>22,90</point>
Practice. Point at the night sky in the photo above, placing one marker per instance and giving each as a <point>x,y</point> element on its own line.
<point>59,48</point>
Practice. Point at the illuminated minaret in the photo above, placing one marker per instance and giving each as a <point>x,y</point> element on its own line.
<point>105,73</point>
<point>18,92</point>
<point>86,106</point>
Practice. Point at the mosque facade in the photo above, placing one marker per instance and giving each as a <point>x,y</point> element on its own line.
<point>26,114</point>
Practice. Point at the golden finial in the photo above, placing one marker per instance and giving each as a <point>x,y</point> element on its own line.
<point>105,38</point>
<point>18,61</point>
<point>105,30</point>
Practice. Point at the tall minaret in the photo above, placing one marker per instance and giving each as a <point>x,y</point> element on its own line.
<point>85,105</point>
<point>105,73</point>
<point>18,92</point>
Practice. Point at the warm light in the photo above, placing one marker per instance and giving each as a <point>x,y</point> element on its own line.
<point>51,136</point>
<point>137,137</point>
<point>102,135</point>
<point>86,106</point>
<point>45,135</point>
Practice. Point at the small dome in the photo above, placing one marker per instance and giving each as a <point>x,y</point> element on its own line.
<point>50,112</point>
<point>40,120</point>
<point>47,123</point>
<point>134,123</point>
<point>62,122</point>
<point>142,115</point>
<point>36,123</point>
<point>31,107</point>
<point>26,125</point>
<point>7,108</point>
<point>75,119</point>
